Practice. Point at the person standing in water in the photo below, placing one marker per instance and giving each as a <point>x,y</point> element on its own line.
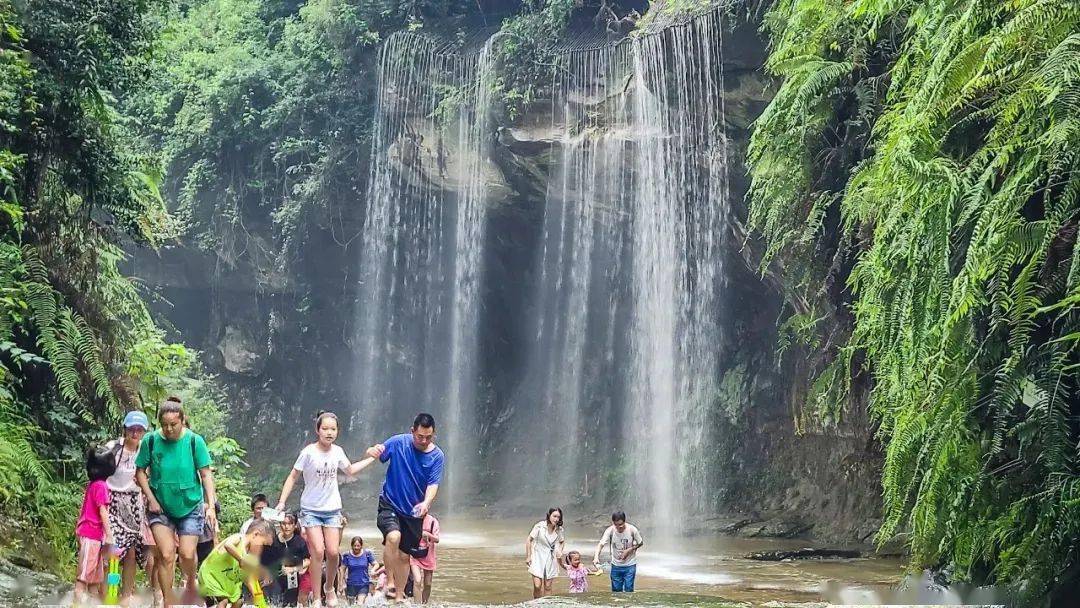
<point>288,561</point>
<point>320,503</point>
<point>544,550</point>
<point>179,478</point>
<point>423,568</point>
<point>577,572</point>
<point>357,567</point>
<point>623,541</point>
<point>412,482</point>
<point>258,503</point>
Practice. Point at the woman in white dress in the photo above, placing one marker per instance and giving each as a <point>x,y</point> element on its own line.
<point>543,550</point>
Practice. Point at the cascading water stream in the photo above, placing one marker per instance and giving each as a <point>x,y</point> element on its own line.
<point>421,247</point>
<point>624,318</point>
<point>679,206</point>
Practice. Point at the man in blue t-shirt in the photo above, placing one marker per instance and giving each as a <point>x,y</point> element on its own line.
<point>412,481</point>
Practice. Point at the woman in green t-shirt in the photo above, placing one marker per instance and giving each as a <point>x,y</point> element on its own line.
<point>173,470</point>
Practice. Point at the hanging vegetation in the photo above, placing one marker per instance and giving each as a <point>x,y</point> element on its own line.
<point>927,155</point>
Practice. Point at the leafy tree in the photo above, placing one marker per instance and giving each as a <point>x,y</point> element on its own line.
<point>77,344</point>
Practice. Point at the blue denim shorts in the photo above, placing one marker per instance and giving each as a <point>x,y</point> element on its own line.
<point>189,525</point>
<point>324,519</point>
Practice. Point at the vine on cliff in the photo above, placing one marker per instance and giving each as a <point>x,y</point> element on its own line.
<point>525,53</point>
<point>935,149</point>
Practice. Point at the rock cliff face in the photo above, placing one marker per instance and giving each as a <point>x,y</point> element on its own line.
<point>280,341</point>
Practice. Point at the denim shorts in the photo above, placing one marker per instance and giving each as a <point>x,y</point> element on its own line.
<point>324,519</point>
<point>356,590</point>
<point>189,525</point>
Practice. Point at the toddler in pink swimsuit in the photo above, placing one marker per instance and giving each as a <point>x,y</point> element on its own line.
<point>577,573</point>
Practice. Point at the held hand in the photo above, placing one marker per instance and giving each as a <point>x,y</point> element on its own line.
<point>376,450</point>
<point>153,506</point>
<point>421,510</point>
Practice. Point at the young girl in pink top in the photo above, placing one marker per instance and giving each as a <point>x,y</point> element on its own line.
<point>423,568</point>
<point>92,529</point>
<point>577,573</point>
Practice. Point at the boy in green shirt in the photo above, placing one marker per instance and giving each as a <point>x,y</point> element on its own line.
<point>222,574</point>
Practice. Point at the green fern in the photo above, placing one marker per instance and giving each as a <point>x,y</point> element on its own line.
<point>967,283</point>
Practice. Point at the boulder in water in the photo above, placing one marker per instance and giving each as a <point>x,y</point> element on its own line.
<point>775,528</point>
<point>804,553</point>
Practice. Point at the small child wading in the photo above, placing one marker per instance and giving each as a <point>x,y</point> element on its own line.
<point>222,575</point>
<point>92,529</point>
<point>578,573</point>
<point>423,568</point>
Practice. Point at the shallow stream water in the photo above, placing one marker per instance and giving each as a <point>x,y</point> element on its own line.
<point>481,562</point>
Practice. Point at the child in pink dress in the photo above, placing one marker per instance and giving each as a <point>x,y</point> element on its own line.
<point>92,528</point>
<point>577,573</point>
<point>423,568</point>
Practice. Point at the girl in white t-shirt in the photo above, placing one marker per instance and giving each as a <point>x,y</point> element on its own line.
<point>320,503</point>
<point>543,551</point>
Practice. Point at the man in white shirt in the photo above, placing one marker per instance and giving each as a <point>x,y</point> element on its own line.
<point>622,540</point>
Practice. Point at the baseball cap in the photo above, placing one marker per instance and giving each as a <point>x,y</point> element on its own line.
<point>136,418</point>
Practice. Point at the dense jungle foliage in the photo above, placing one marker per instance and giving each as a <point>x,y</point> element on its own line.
<point>917,177</point>
<point>261,111</point>
<point>142,124</point>
<point>919,169</point>
<point>78,346</point>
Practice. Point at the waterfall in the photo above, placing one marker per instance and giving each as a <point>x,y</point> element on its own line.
<point>584,221</point>
<point>679,207</point>
<point>624,311</point>
<point>421,247</point>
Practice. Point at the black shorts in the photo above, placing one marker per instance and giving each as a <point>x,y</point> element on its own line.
<point>411,528</point>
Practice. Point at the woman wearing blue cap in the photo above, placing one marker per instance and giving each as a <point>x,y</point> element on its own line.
<point>126,512</point>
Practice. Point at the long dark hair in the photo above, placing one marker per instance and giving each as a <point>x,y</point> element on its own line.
<point>547,520</point>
